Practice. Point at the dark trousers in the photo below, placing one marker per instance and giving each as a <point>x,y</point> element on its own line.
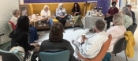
<point>62,20</point>
<point>33,34</point>
<point>109,19</point>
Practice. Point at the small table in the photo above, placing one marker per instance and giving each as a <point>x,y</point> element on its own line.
<point>89,21</point>
<point>36,19</point>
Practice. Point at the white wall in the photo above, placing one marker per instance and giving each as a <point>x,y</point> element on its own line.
<point>6,8</point>
<point>21,1</point>
<point>123,3</point>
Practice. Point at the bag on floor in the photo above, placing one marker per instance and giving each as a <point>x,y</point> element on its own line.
<point>69,18</point>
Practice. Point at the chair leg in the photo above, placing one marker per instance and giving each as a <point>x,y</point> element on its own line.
<point>126,56</point>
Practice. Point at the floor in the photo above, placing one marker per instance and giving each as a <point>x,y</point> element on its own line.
<point>70,34</point>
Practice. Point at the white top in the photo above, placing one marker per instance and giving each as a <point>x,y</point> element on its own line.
<point>47,14</point>
<point>117,32</point>
<point>14,20</point>
<point>93,45</point>
<point>60,12</point>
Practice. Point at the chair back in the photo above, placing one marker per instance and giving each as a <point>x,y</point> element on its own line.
<point>102,53</point>
<point>55,56</point>
<point>10,25</point>
<point>132,28</point>
<point>119,46</point>
<point>9,56</point>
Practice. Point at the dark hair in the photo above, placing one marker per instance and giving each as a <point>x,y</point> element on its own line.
<point>56,32</point>
<point>128,5</point>
<point>100,25</point>
<point>113,3</point>
<point>23,24</point>
<point>78,7</point>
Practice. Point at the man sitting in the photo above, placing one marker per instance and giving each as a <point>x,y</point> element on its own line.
<point>90,47</point>
<point>133,14</point>
<point>113,10</point>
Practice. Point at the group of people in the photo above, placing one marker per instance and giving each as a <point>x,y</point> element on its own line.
<point>88,48</point>
<point>127,14</point>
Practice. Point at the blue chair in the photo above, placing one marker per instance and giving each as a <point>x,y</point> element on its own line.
<point>9,56</point>
<point>55,56</point>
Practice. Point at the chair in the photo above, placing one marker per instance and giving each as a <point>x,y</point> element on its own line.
<point>10,25</point>
<point>9,56</point>
<point>102,53</point>
<point>132,28</point>
<point>120,46</point>
<point>55,56</point>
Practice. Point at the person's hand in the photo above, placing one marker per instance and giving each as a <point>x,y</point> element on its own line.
<point>35,44</point>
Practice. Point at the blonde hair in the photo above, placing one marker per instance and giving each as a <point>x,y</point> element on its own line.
<point>46,6</point>
<point>59,5</point>
<point>118,19</point>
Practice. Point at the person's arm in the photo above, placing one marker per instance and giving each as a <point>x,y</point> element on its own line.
<point>26,44</point>
<point>65,12</point>
<point>57,13</point>
<point>49,16</point>
<point>42,13</point>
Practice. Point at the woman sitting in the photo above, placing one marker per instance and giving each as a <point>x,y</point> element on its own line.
<point>56,41</point>
<point>47,15</point>
<point>33,31</point>
<point>127,15</point>
<point>117,31</point>
<point>20,35</point>
<point>61,14</point>
<point>77,14</point>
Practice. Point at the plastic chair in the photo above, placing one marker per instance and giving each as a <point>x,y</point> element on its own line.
<point>9,56</point>
<point>120,46</point>
<point>132,28</point>
<point>102,53</point>
<point>55,56</point>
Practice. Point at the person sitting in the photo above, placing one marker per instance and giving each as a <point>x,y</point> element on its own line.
<point>117,31</point>
<point>90,47</point>
<point>16,14</point>
<point>127,16</point>
<point>56,41</point>
<point>77,14</point>
<point>45,13</point>
<point>113,10</point>
<point>33,30</point>
<point>61,14</point>
<point>133,14</point>
<point>20,35</point>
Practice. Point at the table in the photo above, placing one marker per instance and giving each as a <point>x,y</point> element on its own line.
<point>36,19</point>
<point>89,21</point>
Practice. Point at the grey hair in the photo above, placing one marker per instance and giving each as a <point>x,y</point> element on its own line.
<point>118,19</point>
<point>59,5</point>
<point>46,6</point>
<point>127,11</point>
<point>14,11</point>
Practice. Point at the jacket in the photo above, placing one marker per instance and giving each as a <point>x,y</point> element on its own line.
<point>130,44</point>
<point>20,38</point>
<point>127,21</point>
<point>64,44</point>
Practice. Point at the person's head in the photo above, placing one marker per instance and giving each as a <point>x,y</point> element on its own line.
<point>99,26</point>
<point>126,11</point>
<point>118,20</point>
<point>114,4</point>
<point>60,6</point>
<point>76,5</point>
<point>23,24</point>
<point>16,12</point>
<point>56,32</point>
<point>46,8</point>
<point>129,6</point>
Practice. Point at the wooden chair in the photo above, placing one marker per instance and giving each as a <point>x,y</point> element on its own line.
<point>102,53</point>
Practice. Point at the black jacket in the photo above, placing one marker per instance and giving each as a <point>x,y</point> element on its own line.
<point>55,45</point>
<point>20,38</point>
